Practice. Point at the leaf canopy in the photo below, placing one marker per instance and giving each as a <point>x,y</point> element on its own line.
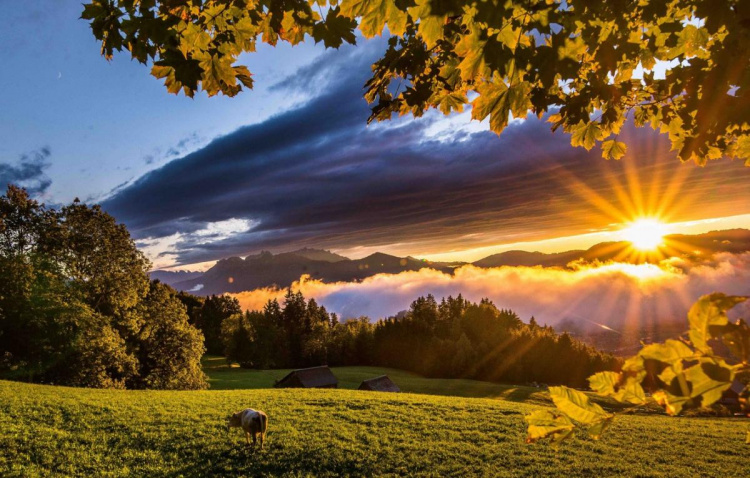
<point>589,62</point>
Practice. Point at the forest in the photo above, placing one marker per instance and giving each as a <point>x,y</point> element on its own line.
<point>450,338</point>
<point>79,309</point>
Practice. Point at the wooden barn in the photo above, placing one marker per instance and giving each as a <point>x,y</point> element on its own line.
<point>379,384</point>
<point>313,377</point>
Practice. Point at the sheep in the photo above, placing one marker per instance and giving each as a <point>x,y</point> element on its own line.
<point>253,422</point>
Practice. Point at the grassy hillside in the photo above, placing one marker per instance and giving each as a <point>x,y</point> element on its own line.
<point>60,431</point>
<point>223,377</point>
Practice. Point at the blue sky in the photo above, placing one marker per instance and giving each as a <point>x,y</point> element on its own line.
<point>103,120</point>
<point>293,164</point>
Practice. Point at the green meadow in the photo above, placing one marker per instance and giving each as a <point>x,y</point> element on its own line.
<point>61,431</point>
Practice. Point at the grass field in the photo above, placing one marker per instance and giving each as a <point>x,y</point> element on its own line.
<point>59,431</point>
<point>223,377</point>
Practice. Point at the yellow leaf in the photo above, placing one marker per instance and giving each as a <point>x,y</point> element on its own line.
<point>709,310</point>
<point>612,149</point>
<point>585,134</point>
<point>577,405</point>
<point>374,15</point>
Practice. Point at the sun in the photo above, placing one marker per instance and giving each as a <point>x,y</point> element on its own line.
<point>645,234</point>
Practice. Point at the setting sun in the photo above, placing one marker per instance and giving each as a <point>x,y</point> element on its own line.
<point>645,234</point>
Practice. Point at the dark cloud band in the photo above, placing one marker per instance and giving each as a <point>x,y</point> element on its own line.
<point>319,176</point>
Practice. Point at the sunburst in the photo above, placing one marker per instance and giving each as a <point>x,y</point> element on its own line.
<point>645,234</point>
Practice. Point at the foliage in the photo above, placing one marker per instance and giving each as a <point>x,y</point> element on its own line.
<point>295,335</point>
<point>688,373</point>
<point>208,315</point>
<point>592,63</point>
<point>169,348</point>
<point>76,306</point>
<point>58,431</point>
<point>451,339</point>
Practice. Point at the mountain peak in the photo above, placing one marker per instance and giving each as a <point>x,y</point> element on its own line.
<point>319,255</point>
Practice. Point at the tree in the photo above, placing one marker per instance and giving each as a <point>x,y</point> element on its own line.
<point>239,346</point>
<point>209,317</point>
<point>169,349</point>
<point>76,305</point>
<point>98,255</point>
<point>575,59</point>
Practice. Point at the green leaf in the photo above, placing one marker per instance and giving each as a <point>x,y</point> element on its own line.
<point>548,424</point>
<point>585,134</point>
<point>612,149</point>
<point>710,310</point>
<point>577,405</point>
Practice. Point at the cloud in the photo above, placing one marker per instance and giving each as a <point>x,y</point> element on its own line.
<point>619,296</point>
<point>318,176</point>
<point>186,144</point>
<point>28,172</point>
<point>163,251</point>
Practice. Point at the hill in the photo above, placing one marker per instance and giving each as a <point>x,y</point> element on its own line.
<point>236,274</point>
<point>173,277</point>
<point>265,269</point>
<point>699,246</point>
<point>48,430</point>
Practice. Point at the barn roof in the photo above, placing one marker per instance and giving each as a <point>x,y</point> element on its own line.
<point>379,384</point>
<point>313,377</point>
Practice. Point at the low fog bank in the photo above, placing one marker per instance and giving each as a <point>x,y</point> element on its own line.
<point>620,296</point>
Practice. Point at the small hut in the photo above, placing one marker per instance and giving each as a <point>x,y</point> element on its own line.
<point>379,384</point>
<point>313,377</point>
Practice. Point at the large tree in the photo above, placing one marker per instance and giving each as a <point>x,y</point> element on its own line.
<point>575,60</point>
<point>76,306</point>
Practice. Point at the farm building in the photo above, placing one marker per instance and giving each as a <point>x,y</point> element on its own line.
<point>313,377</point>
<point>379,384</point>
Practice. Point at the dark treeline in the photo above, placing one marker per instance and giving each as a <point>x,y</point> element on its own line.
<point>77,306</point>
<point>453,338</point>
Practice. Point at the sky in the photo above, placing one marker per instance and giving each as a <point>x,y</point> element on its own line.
<point>293,163</point>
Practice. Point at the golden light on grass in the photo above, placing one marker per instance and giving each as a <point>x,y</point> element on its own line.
<point>645,234</point>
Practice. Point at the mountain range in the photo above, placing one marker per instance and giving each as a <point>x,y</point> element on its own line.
<point>265,269</point>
